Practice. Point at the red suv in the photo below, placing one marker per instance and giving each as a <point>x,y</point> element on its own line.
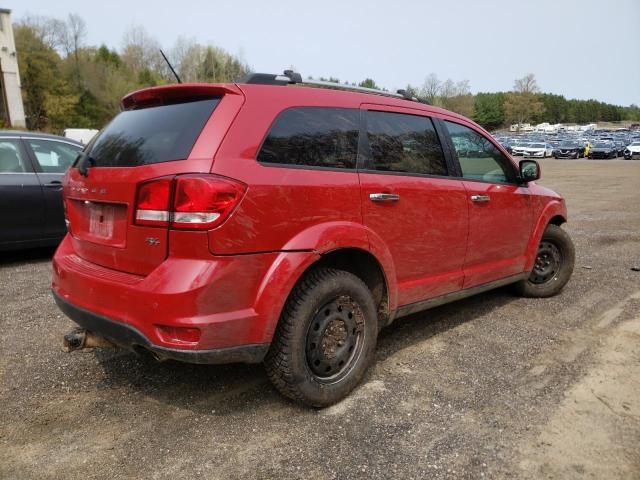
<point>272,220</point>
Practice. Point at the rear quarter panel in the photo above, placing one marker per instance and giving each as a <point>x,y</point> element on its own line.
<point>280,202</point>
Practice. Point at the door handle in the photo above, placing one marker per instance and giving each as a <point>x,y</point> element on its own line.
<point>384,197</point>
<point>480,198</point>
<point>53,184</point>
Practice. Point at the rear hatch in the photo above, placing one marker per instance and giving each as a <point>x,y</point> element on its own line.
<point>162,132</point>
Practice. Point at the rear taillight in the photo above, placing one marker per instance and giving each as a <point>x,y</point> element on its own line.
<point>187,201</point>
<point>152,202</point>
<point>204,201</point>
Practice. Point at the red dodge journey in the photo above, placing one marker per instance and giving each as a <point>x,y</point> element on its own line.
<point>286,221</point>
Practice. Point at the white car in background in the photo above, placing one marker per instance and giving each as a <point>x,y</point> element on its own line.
<point>518,150</point>
<point>632,151</point>
<point>538,150</point>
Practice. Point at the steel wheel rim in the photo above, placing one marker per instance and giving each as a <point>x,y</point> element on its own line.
<point>547,264</point>
<point>334,339</point>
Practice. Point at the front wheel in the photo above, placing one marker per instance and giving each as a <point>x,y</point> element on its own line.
<point>325,339</point>
<point>553,265</point>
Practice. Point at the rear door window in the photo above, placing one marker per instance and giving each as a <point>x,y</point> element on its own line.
<point>151,135</point>
<point>313,137</point>
<point>404,143</point>
<point>52,156</point>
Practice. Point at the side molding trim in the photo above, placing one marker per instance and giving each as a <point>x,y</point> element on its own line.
<point>405,310</point>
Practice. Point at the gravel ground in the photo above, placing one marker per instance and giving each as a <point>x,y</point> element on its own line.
<point>494,386</point>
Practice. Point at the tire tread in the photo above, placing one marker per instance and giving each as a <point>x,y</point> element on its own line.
<point>276,361</point>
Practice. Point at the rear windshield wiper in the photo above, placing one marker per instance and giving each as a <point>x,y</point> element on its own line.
<point>85,161</point>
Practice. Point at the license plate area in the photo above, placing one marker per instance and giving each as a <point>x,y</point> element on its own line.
<point>99,222</point>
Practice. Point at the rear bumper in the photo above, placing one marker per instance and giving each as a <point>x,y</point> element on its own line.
<point>130,338</point>
<point>235,301</point>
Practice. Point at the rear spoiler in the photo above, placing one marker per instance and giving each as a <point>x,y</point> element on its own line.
<point>176,93</point>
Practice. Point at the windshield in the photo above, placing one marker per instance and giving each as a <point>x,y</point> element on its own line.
<point>151,135</point>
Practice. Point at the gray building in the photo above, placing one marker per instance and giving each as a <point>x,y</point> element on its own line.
<point>11,107</point>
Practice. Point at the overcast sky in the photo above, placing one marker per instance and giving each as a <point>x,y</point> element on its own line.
<point>577,48</point>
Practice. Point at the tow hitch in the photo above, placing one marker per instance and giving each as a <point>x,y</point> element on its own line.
<point>81,339</point>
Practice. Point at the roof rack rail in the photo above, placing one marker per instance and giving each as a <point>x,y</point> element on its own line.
<point>289,77</point>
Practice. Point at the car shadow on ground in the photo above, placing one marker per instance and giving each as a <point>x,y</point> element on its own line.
<point>420,327</point>
<point>206,388</point>
<point>31,255</point>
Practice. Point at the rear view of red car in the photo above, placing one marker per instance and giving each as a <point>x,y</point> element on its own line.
<point>274,221</point>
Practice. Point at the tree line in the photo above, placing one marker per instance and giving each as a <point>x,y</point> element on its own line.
<point>67,83</point>
<point>524,104</point>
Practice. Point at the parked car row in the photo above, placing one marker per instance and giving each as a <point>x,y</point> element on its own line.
<point>597,144</point>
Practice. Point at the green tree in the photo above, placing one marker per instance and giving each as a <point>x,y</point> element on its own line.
<point>489,110</point>
<point>49,100</point>
<point>368,83</point>
<point>555,107</point>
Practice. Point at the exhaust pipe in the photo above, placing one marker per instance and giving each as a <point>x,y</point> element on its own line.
<point>81,339</point>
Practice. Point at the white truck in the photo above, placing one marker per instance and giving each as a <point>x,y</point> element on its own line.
<point>82,135</point>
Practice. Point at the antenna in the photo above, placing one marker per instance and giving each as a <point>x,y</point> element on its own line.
<point>169,63</point>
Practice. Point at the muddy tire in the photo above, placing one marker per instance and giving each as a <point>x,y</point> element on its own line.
<point>325,339</point>
<point>553,265</point>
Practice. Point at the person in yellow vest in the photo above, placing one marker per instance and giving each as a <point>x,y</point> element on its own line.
<point>587,149</point>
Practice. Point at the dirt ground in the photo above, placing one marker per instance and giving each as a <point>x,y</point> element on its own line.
<point>494,386</point>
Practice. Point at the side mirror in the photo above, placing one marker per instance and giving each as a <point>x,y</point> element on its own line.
<point>529,170</point>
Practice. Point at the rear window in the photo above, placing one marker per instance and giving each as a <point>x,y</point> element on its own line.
<point>151,135</point>
<point>313,137</point>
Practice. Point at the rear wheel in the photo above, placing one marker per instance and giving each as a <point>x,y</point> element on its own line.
<point>325,340</point>
<point>553,265</point>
